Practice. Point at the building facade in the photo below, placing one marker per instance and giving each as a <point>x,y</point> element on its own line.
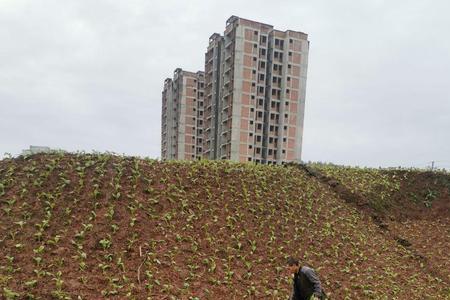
<point>255,79</point>
<point>182,116</point>
<point>252,98</point>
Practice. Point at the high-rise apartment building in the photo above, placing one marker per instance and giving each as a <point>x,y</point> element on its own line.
<point>182,116</point>
<point>254,98</point>
<point>255,79</point>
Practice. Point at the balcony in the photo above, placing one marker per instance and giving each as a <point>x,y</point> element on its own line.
<point>229,42</point>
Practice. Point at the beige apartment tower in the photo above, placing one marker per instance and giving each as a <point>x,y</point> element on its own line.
<point>248,105</point>
<point>255,84</point>
<point>182,116</point>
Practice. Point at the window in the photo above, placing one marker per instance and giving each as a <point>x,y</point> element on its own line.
<point>270,140</point>
<point>250,146</point>
<point>285,127</point>
<point>260,114</point>
<point>284,139</point>
<point>290,53</point>
<point>288,78</point>
<point>291,41</point>
<point>251,122</point>
<point>262,51</point>
<point>255,32</point>
<point>259,126</point>
<point>270,151</point>
<point>261,76</point>
<point>258,150</point>
<point>261,90</point>
<point>249,159</point>
<point>287,91</point>
<point>254,71</point>
<point>253,84</point>
<point>254,58</point>
<point>271,128</point>
<point>255,45</point>
<point>289,66</point>
<point>263,39</point>
<point>258,139</point>
<point>263,64</point>
<point>252,109</point>
<point>277,42</point>
<point>250,134</point>
<point>286,116</point>
<point>261,102</point>
<point>253,96</point>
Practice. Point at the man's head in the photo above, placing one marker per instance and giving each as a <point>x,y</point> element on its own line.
<point>292,265</point>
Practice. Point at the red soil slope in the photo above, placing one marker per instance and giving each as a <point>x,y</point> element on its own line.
<point>85,226</point>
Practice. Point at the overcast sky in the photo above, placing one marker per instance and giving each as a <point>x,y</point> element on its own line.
<point>88,75</point>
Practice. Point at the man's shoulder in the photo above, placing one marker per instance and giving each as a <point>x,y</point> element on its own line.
<point>306,269</point>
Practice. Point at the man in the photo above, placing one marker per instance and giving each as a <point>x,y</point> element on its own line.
<point>306,284</point>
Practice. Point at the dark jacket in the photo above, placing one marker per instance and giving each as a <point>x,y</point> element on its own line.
<point>306,283</point>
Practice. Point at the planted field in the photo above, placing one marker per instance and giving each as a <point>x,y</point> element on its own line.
<point>375,185</point>
<point>388,190</point>
<point>82,226</point>
<point>411,206</point>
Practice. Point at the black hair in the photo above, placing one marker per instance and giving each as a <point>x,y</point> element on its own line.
<point>292,261</point>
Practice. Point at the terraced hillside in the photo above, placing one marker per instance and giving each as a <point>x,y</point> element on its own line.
<point>91,226</point>
<point>411,206</point>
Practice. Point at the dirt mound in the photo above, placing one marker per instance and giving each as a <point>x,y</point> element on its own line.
<point>85,226</point>
<point>422,195</point>
<point>412,207</point>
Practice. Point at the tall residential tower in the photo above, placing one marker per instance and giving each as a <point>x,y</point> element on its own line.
<point>252,101</point>
<point>182,116</point>
<point>255,79</point>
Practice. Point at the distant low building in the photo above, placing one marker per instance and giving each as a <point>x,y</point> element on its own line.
<point>36,150</point>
